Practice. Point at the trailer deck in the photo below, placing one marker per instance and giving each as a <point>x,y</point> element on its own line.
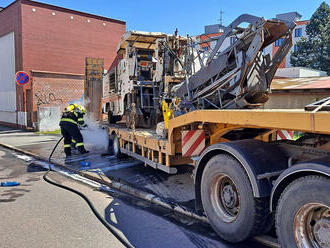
<point>164,153</point>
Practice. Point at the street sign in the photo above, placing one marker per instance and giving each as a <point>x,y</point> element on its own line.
<point>22,78</point>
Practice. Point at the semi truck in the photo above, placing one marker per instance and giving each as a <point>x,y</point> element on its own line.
<point>246,179</point>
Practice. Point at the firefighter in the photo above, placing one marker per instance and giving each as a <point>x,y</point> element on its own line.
<point>81,113</point>
<point>81,122</point>
<point>70,130</point>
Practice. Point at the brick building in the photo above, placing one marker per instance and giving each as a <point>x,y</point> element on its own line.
<point>50,43</point>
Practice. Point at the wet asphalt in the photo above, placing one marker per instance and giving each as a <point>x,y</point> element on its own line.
<point>141,224</point>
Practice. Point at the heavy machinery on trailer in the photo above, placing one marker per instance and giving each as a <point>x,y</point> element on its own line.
<point>145,68</point>
<point>244,177</point>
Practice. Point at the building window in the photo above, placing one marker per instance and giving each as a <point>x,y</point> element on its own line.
<point>278,42</point>
<point>295,48</point>
<point>298,32</point>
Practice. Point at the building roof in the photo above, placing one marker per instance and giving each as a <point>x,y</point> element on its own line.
<point>289,16</point>
<point>139,39</point>
<point>53,7</point>
<point>305,22</point>
<point>313,83</point>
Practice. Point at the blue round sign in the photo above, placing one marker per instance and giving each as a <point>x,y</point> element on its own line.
<point>22,78</point>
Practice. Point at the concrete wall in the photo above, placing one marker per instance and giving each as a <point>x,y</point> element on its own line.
<point>7,79</point>
<point>10,21</point>
<point>299,72</point>
<point>11,61</point>
<point>293,100</point>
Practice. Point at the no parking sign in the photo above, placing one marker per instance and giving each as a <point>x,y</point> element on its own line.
<point>22,78</point>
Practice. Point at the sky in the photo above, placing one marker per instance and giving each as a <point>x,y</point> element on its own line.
<point>189,16</point>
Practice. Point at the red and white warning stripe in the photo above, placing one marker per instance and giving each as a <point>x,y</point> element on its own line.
<point>193,143</point>
<point>284,135</point>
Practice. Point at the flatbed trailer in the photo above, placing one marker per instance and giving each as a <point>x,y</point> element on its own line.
<point>244,176</point>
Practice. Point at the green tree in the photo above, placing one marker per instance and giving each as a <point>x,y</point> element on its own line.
<point>314,51</point>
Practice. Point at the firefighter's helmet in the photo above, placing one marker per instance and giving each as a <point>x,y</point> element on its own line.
<point>72,108</point>
<point>82,109</point>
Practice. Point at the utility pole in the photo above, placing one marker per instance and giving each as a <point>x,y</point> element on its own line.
<point>221,15</point>
<point>220,21</point>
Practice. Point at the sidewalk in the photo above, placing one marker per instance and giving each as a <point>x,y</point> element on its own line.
<point>29,141</point>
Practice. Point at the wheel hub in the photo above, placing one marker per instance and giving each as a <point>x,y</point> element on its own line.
<point>321,232</point>
<point>229,196</point>
<point>312,226</point>
<point>225,198</point>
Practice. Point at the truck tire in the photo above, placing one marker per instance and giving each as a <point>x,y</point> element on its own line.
<point>303,213</point>
<point>228,201</point>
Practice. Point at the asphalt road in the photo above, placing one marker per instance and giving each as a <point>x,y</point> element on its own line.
<point>36,214</point>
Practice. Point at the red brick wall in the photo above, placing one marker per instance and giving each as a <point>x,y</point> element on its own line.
<point>56,90</point>
<point>58,43</point>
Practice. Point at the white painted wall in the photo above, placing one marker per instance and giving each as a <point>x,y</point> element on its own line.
<point>299,72</point>
<point>49,117</point>
<point>7,79</point>
<point>294,41</point>
<point>22,118</point>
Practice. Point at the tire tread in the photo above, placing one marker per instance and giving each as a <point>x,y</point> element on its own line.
<point>290,187</point>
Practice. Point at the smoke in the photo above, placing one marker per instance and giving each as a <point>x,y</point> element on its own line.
<point>96,139</point>
<point>86,101</point>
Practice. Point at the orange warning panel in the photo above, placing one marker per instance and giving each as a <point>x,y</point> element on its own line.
<point>193,143</point>
<point>285,135</point>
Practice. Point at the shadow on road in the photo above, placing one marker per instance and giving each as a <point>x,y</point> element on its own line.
<point>144,226</point>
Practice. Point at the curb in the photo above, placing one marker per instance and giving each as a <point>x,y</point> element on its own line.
<point>148,197</point>
<point>151,198</point>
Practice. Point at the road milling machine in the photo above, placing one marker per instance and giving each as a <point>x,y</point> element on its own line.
<point>160,76</point>
<point>149,63</point>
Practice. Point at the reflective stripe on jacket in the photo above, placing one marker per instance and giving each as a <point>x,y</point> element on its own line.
<point>68,120</point>
<point>81,121</point>
<point>71,117</point>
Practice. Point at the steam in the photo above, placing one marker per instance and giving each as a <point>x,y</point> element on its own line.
<point>96,139</point>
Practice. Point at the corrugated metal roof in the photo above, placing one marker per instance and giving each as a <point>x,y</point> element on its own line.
<point>139,39</point>
<point>301,83</point>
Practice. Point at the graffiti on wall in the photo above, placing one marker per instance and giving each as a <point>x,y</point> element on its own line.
<point>47,98</point>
